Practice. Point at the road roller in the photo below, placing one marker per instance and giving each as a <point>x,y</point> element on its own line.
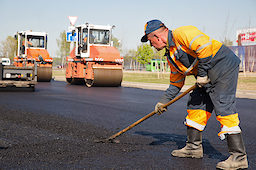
<point>19,77</point>
<point>32,49</point>
<point>94,61</point>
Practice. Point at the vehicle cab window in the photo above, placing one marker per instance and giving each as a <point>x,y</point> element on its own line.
<point>99,37</point>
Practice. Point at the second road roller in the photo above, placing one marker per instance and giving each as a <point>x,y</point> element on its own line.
<point>32,49</point>
<point>94,61</point>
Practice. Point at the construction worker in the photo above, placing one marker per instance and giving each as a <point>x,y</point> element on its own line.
<point>215,67</point>
<point>84,43</point>
<point>28,42</point>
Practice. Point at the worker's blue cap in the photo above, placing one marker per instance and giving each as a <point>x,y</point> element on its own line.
<point>151,26</point>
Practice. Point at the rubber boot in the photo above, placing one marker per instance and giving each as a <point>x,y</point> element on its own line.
<point>238,157</point>
<point>193,148</point>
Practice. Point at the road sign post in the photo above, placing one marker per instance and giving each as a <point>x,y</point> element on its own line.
<point>71,38</point>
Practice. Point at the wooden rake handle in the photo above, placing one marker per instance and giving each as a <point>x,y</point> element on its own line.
<point>152,113</point>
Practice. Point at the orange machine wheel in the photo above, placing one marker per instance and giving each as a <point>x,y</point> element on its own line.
<point>44,74</point>
<point>106,77</point>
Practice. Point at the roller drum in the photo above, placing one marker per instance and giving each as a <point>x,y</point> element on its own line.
<point>44,74</point>
<point>106,77</point>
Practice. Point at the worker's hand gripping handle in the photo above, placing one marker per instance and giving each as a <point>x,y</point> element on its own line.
<point>180,96</point>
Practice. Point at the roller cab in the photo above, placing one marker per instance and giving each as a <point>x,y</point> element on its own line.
<point>32,49</point>
<point>94,61</point>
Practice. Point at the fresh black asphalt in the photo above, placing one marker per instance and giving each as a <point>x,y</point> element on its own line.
<point>55,128</point>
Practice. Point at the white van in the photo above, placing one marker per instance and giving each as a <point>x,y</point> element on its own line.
<point>5,61</point>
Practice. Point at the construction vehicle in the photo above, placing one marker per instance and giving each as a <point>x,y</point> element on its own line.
<point>32,49</point>
<point>12,76</point>
<point>93,60</point>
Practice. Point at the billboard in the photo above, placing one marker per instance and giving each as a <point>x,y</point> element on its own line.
<point>247,36</point>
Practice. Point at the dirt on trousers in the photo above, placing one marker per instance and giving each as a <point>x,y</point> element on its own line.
<point>42,141</point>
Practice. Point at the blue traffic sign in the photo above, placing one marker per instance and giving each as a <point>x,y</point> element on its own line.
<point>70,37</point>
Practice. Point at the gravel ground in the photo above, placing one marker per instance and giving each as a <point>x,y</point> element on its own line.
<point>41,141</point>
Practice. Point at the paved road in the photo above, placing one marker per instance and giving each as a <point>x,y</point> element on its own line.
<point>55,128</point>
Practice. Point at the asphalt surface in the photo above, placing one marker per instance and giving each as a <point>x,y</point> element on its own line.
<point>55,128</point>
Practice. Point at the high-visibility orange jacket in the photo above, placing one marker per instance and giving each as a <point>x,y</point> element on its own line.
<point>29,43</point>
<point>191,52</point>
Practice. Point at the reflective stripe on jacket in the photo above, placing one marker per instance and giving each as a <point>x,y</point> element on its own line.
<point>189,53</point>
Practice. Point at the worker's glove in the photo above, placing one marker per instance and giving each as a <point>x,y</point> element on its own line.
<point>159,109</point>
<point>201,81</point>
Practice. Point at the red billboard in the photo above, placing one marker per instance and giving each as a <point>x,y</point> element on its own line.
<point>248,36</point>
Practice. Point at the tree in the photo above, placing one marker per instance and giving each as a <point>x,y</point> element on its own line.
<point>159,54</point>
<point>128,58</point>
<point>144,53</point>
<point>117,43</point>
<point>64,46</point>
<point>57,61</point>
<point>8,47</point>
<point>227,42</point>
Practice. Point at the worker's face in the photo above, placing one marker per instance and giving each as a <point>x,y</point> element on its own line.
<point>156,41</point>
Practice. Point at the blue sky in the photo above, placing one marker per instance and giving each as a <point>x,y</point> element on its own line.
<point>217,18</point>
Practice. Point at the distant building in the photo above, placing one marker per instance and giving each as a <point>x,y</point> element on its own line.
<point>156,65</point>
